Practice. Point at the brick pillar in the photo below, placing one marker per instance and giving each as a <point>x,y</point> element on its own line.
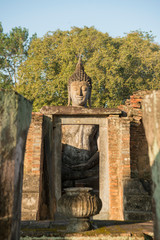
<point>125,148</point>
<point>32,168</point>
<point>119,163</point>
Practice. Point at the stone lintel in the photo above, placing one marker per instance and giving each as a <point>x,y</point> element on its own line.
<point>70,110</point>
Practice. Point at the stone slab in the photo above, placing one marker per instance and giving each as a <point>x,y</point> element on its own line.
<point>15,116</point>
<point>70,110</point>
<point>103,230</point>
<point>151,121</point>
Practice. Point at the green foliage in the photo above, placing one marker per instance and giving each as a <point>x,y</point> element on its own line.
<point>117,66</point>
<point>13,51</point>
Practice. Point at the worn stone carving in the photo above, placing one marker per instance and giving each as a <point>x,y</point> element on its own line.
<point>79,87</point>
<point>80,142</point>
<point>79,204</point>
<point>15,116</point>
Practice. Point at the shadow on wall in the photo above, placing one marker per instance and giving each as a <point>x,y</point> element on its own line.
<point>140,166</point>
<point>137,190</point>
<point>156,192</point>
<point>80,171</point>
<point>47,206</point>
<point>137,201</point>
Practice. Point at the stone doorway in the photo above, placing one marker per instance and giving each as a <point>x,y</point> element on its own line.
<point>103,185</point>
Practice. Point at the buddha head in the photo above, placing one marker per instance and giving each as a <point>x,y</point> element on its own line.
<point>79,87</point>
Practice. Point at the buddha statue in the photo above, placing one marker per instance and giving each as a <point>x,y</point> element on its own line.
<point>79,142</point>
<point>79,87</point>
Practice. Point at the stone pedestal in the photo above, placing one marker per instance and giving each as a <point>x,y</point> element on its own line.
<point>79,204</point>
<point>151,120</point>
<point>15,116</point>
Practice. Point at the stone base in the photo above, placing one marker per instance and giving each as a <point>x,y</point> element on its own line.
<point>78,225</point>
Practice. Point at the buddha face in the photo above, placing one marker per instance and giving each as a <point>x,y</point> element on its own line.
<point>79,93</point>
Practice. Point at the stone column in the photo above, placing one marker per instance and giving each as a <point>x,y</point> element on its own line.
<point>15,116</point>
<point>151,120</point>
<point>103,171</point>
<point>57,156</point>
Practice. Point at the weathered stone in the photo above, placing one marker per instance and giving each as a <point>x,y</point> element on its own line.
<point>140,167</point>
<point>38,182</point>
<point>151,120</point>
<point>79,111</point>
<point>79,141</point>
<point>122,150</point>
<point>79,152</point>
<point>79,204</point>
<point>79,87</point>
<point>138,215</point>
<point>136,201</point>
<point>92,182</point>
<point>15,112</point>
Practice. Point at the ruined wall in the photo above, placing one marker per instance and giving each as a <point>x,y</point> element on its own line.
<point>37,190</point>
<point>15,117</point>
<point>151,120</point>
<point>129,172</point>
<point>138,143</point>
<point>137,190</point>
<point>32,166</point>
<point>139,152</point>
<point>119,163</point>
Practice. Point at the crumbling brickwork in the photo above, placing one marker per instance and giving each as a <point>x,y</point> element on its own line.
<point>37,180</point>
<point>137,190</point>
<point>128,183</point>
<point>32,167</point>
<point>119,163</point>
<point>138,144</point>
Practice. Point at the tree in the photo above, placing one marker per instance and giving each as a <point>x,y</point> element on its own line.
<point>137,65</point>
<point>13,51</point>
<point>43,77</point>
<point>117,66</point>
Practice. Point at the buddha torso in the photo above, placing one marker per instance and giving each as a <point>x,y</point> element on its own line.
<point>79,143</point>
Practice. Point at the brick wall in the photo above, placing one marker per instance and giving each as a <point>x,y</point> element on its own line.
<point>128,165</point>
<point>37,178</point>
<point>138,144</point>
<point>119,163</point>
<point>137,188</point>
<point>32,167</point>
<point>140,167</point>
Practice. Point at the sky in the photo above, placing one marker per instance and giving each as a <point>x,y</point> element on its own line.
<point>116,17</point>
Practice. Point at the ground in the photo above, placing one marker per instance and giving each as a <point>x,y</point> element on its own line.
<point>45,230</point>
